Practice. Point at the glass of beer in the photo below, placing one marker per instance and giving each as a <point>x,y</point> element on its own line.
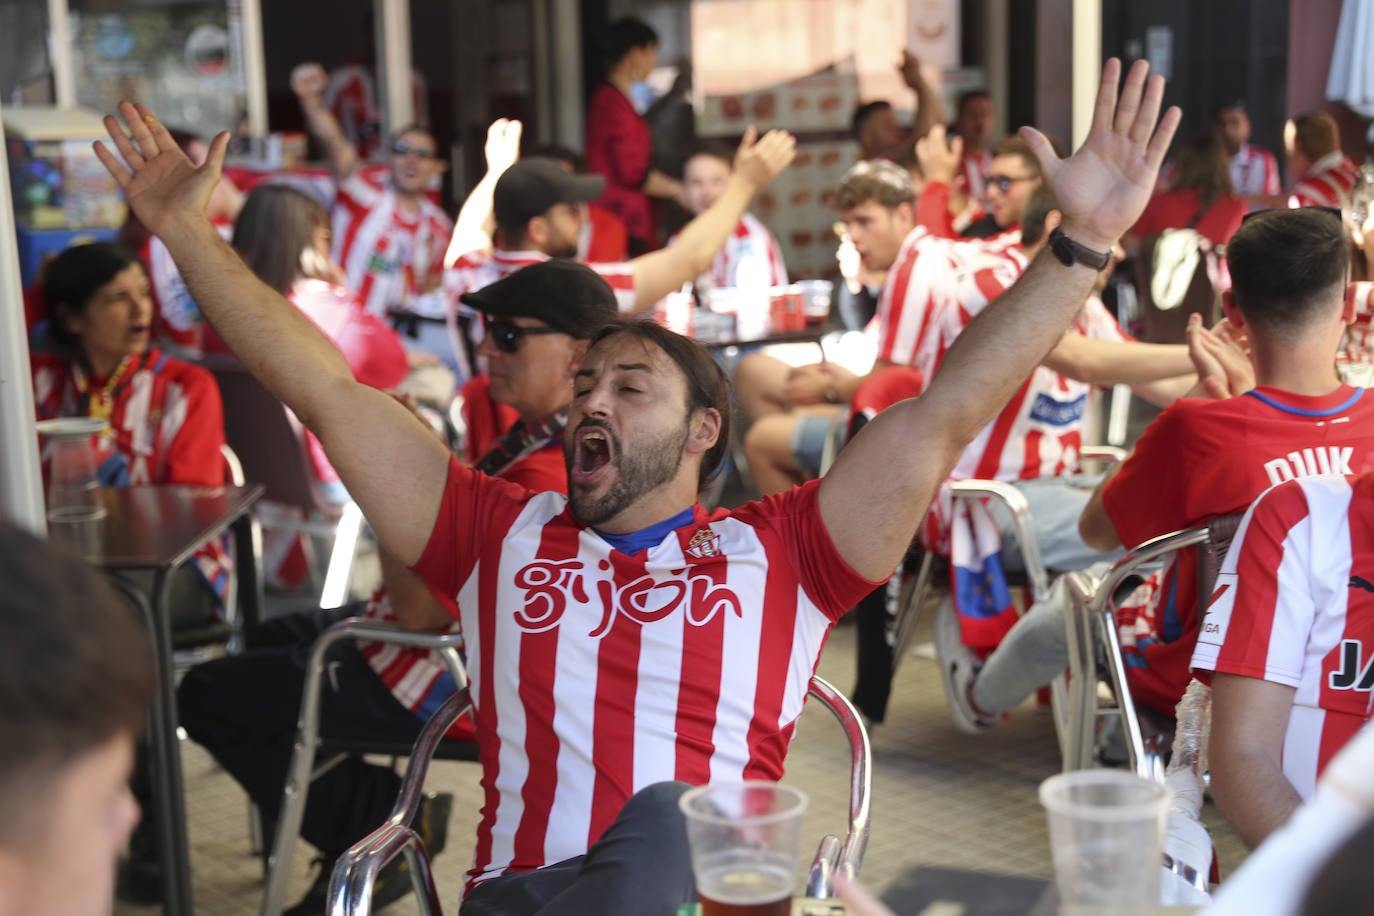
<point>744,838</point>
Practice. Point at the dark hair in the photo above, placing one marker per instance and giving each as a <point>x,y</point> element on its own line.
<point>69,282</point>
<point>875,179</point>
<point>1219,110</point>
<point>968,95</point>
<point>1201,164</point>
<point>1345,882</point>
<point>862,113</point>
<point>76,669</point>
<point>714,149</point>
<point>133,235</point>
<point>1286,266</point>
<point>1315,134</point>
<point>277,224</point>
<point>1013,145</point>
<point>707,384</point>
<point>562,154</point>
<point>623,36</point>
<point>1038,209</point>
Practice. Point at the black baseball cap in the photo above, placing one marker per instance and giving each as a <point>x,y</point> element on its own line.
<point>533,185</point>
<point>563,294</point>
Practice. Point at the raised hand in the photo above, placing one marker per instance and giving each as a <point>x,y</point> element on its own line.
<point>910,69</point>
<point>760,161</point>
<point>1103,187</point>
<point>308,81</point>
<point>939,160</point>
<point>160,184</point>
<point>503,144</point>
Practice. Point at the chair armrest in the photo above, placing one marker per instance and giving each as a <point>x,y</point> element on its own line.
<point>355,872</point>
<point>1110,454</point>
<point>832,856</point>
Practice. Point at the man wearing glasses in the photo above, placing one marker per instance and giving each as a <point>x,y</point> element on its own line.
<point>389,237</point>
<point>1012,179</point>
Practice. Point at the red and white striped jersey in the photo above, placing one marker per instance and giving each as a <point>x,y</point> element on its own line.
<point>388,257</point>
<point>976,168</point>
<point>1294,604</point>
<point>751,239</point>
<point>177,322</point>
<point>1254,171</point>
<point>1201,459</point>
<point>595,674</point>
<point>1039,432</point>
<point>934,287</point>
<point>1327,184</point>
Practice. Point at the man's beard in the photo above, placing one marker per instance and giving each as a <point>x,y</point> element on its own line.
<point>562,249</point>
<point>653,465</point>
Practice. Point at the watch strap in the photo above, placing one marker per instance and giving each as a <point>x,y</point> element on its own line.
<point>1077,252</point>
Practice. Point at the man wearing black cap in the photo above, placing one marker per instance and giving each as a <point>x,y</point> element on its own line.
<point>537,217</point>
<point>540,321</point>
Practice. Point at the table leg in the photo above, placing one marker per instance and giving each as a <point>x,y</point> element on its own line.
<point>248,559</point>
<point>168,788</point>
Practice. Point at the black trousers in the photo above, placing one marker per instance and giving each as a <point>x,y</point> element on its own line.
<point>641,866</point>
<point>243,710</point>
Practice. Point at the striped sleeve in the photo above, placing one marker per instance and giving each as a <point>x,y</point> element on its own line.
<point>1262,606</point>
<point>621,277</point>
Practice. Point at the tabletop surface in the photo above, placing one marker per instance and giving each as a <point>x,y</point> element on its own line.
<point>161,526</point>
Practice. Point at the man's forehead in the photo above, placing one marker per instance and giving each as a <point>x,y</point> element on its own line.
<point>412,136</point>
<point>623,352</point>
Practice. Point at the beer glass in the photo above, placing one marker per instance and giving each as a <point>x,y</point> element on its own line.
<point>744,839</point>
<point>74,505</point>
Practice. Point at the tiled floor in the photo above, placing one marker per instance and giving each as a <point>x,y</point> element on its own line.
<point>941,798</point>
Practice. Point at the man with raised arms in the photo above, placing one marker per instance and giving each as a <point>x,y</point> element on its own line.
<point>621,640</point>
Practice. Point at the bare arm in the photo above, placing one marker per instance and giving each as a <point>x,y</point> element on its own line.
<point>930,108</point>
<point>415,606</point>
<point>1117,362</point>
<point>1094,526</point>
<point>308,82</point>
<point>392,466</point>
<point>657,184</point>
<point>1249,721</point>
<point>910,447</point>
<point>472,230</point>
<point>757,163</point>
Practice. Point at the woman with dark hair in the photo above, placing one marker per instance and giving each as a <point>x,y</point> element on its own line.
<point>165,421</point>
<point>1199,195</point>
<point>619,144</point>
<point>283,235</point>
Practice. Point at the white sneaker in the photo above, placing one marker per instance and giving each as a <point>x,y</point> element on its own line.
<point>959,667</point>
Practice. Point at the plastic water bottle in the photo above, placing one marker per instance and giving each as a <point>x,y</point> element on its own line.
<point>752,279</point>
<point>1362,194</point>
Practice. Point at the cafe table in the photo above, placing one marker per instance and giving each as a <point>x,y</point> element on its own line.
<point>155,529</point>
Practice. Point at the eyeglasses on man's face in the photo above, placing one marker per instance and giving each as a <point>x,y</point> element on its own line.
<point>405,149</point>
<point>1003,183</point>
<point>506,335</point>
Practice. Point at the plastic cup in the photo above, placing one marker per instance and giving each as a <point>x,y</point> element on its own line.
<point>75,509</point>
<point>1106,836</point>
<point>815,299</point>
<point>744,839</point>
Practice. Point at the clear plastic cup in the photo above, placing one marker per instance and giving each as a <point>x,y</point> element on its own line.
<point>816,299</point>
<point>744,839</point>
<point>1106,836</point>
<point>75,508</point>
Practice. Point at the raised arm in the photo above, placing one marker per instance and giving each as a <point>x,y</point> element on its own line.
<point>874,496</point>
<point>930,108</point>
<point>308,81</point>
<point>473,229</point>
<point>392,466</point>
<point>757,163</point>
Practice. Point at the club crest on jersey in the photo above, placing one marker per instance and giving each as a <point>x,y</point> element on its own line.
<point>705,543</point>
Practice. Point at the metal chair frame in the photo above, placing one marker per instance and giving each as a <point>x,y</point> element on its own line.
<point>1037,578</point>
<point>308,742</point>
<point>1094,639</point>
<point>355,872</point>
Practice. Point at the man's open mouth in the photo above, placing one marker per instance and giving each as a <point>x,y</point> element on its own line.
<point>594,450</point>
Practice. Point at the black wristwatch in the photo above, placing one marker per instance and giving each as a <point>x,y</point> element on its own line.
<point>1070,252</point>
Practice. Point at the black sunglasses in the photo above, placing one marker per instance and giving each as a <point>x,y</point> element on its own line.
<point>405,149</point>
<point>506,335</point>
<point>1333,211</point>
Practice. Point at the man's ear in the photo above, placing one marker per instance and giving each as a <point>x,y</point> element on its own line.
<point>705,431</point>
<point>579,353</point>
<point>1231,311</point>
<point>537,232</point>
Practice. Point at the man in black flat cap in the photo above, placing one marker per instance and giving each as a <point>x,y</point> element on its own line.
<point>540,321</point>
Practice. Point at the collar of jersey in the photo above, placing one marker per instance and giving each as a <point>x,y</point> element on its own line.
<point>1344,405</point>
<point>635,541</point>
